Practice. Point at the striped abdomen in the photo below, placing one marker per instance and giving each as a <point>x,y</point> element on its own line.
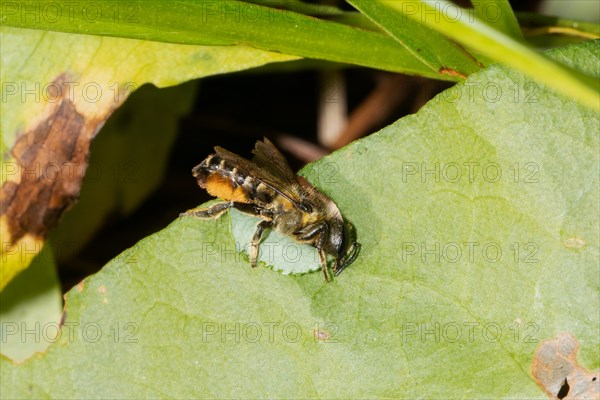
<point>224,180</point>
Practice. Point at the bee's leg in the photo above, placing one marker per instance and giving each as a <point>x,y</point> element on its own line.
<point>260,228</point>
<point>322,255</point>
<point>266,223</point>
<point>246,208</point>
<point>319,232</point>
<point>311,231</point>
<point>323,259</point>
<point>212,212</point>
<point>348,259</point>
<point>216,210</point>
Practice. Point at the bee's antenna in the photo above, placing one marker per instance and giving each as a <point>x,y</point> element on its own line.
<point>349,260</point>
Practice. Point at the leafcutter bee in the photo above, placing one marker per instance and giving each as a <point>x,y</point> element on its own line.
<point>266,187</point>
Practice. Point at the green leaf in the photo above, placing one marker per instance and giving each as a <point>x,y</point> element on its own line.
<point>498,14</point>
<point>30,309</point>
<point>456,23</point>
<point>299,6</point>
<point>479,229</point>
<point>433,49</point>
<point>227,22</point>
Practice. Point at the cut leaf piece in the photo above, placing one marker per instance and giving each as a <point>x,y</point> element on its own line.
<point>277,251</point>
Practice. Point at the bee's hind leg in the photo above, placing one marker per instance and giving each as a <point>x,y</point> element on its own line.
<point>216,210</point>
<point>212,212</point>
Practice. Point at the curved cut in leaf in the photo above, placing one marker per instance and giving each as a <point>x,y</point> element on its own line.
<point>469,270</point>
<point>127,162</point>
<point>58,90</point>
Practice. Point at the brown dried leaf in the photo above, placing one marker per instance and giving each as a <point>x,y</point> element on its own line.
<point>557,372</point>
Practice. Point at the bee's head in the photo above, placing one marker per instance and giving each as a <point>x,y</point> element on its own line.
<point>341,244</point>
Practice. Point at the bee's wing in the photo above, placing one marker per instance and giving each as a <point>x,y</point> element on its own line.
<point>280,184</point>
<point>268,157</point>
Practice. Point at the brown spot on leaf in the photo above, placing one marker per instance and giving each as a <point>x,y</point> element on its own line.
<point>451,72</point>
<point>48,164</point>
<point>574,243</point>
<point>557,372</point>
<point>321,335</point>
<point>102,291</point>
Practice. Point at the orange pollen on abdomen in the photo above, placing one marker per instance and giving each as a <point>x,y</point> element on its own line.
<point>222,187</point>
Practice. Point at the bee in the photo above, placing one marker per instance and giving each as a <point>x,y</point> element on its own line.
<point>267,188</point>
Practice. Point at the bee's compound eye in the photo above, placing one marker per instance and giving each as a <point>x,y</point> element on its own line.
<point>347,238</point>
<point>336,238</point>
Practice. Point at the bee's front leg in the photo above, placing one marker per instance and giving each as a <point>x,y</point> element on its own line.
<point>318,233</point>
<point>260,228</point>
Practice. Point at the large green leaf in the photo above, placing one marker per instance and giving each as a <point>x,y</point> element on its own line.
<point>479,229</point>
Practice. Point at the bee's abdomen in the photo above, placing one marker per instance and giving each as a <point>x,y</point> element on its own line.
<point>214,164</point>
<point>222,179</point>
